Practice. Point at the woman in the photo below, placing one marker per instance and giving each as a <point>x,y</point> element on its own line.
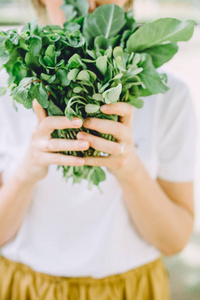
<point>66,242</point>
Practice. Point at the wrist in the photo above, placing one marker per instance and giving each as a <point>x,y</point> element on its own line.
<point>132,169</point>
<point>22,176</point>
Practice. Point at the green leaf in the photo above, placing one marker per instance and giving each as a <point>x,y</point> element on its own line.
<point>14,38</point>
<point>101,64</point>
<point>75,8</point>
<point>54,110</point>
<point>48,61</point>
<point>83,75</point>
<point>41,95</point>
<point>158,32</point>
<point>33,26</point>
<point>91,108</point>
<point>93,76</point>
<point>98,175</point>
<point>106,20</point>
<point>72,74</point>
<point>138,103</point>
<point>62,76</point>
<point>74,61</point>
<point>50,53</point>
<point>97,97</point>
<point>35,45</point>
<point>3,91</point>
<point>91,53</point>
<point>4,58</point>
<point>151,79</point>
<point>162,54</point>
<point>26,82</point>
<point>77,89</point>
<point>69,113</point>
<point>112,95</point>
<point>101,42</point>
<point>20,95</point>
<point>31,61</point>
<point>48,78</point>
<point>118,52</point>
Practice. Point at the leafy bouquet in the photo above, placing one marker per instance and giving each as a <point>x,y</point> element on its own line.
<point>96,58</point>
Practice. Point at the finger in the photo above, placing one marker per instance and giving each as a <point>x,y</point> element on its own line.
<point>57,145</point>
<point>117,129</point>
<point>39,110</point>
<point>100,144</point>
<point>108,162</point>
<point>92,5</point>
<point>46,159</point>
<point>49,124</point>
<point>124,110</point>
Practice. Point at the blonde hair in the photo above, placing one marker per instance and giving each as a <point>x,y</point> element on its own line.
<point>41,12</point>
<point>129,5</point>
<point>43,16</point>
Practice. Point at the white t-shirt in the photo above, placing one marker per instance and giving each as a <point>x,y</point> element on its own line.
<point>75,232</point>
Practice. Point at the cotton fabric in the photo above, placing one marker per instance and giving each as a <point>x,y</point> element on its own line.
<point>19,282</point>
<point>74,232</point>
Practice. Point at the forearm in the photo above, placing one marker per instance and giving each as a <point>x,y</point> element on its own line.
<point>162,222</point>
<point>15,199</point>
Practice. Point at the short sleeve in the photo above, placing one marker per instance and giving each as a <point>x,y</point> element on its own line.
<point>177,132</point>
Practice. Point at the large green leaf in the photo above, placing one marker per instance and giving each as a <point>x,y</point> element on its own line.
<point>162,54</point>
<point>106,20</point>
<point>151,79</point>
<point>158,32</point>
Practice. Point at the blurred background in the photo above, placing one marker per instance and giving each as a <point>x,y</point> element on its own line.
<point>184,268</point>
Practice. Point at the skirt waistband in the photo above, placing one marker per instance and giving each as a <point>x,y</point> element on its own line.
<point>158,263</point>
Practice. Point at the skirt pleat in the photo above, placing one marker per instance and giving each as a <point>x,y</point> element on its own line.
<point>19,282</point>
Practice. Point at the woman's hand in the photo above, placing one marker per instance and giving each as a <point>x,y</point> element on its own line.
<point>122,156</point>
<point>43,148</point>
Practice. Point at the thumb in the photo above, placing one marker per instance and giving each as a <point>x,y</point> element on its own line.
<point>92,5</point>
<point>39,110</point>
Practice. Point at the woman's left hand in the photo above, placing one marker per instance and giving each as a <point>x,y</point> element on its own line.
<point>123,155</point>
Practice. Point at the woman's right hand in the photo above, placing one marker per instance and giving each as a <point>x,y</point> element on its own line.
<point>43,148</point>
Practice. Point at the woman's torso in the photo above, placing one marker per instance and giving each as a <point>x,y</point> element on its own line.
<point>69,230</point>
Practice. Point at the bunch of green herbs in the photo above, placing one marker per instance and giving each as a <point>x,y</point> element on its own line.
<point>94,59</point>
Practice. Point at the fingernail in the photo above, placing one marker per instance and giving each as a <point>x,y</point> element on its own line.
<point>105,107</point>
<point>81,161</point>
<point>77,122</point>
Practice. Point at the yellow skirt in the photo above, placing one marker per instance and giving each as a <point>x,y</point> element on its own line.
<point>19,282</point>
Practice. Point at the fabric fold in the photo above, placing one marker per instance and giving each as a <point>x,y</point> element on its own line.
<point>19,282</point>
